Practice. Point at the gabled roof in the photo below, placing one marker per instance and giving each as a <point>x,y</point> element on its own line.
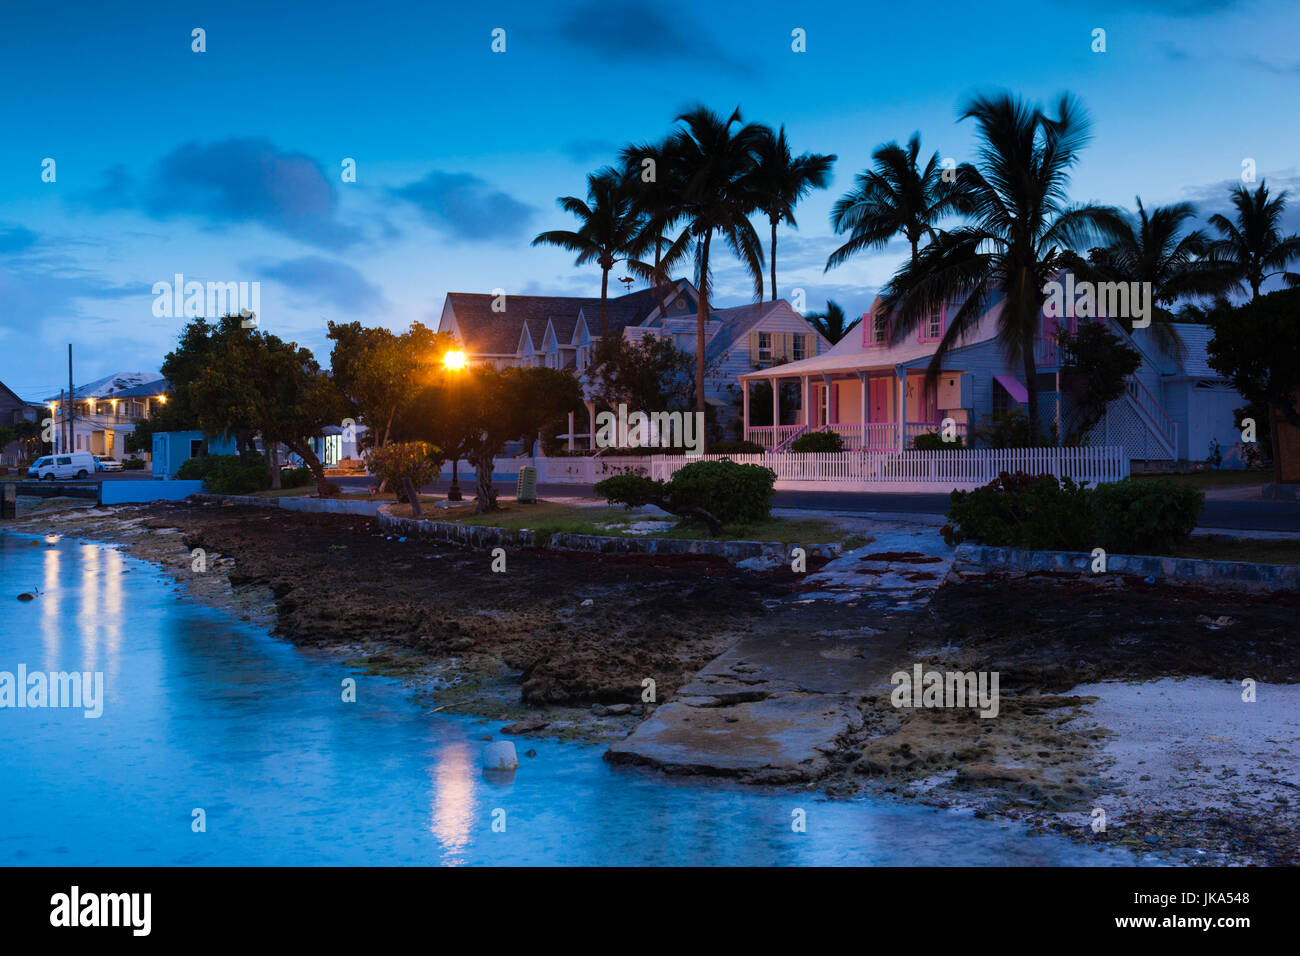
<point>1191,360</point>
<point>118,385</point>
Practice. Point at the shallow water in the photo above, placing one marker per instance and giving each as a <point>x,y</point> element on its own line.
<point>202,712</point>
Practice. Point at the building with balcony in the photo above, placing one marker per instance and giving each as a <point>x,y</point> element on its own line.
<point>102,413</point>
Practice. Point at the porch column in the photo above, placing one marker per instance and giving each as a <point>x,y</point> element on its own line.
<point>805,399</point>
<point>776,409</point>
<point>572,427</point>
<point>744,391</point>
<point>902,406</point>
<point>591,425</point>
<point>862,405</point>
<point>830,404</point>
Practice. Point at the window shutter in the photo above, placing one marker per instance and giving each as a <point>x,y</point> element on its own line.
<point>753,347</point>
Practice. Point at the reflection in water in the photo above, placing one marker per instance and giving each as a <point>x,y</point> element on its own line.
<point>88,607</point>
<point>50,616</point>
<point>453,799</point>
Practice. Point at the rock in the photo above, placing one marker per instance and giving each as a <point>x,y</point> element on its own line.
<point>525,726</point>
<point>25,596</point>
<point>530,752</point>
<point>617,710</point>
<point>500,755</point>
<point>587,603</point>
<point>461,644</point>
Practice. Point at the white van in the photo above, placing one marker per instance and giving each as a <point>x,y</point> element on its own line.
<point>75,464</point>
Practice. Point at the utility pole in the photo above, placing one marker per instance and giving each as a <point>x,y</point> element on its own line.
<point>72,401</point>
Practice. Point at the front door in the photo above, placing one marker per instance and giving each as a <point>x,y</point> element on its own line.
<point>878,398</point>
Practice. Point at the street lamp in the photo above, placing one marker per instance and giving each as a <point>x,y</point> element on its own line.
<point>454,361</point>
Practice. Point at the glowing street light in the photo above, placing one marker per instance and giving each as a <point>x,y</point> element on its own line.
<point>454,360</point>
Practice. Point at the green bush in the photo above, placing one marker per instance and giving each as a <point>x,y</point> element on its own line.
<point>224,475</point>
<point>731,493</point>
<point>1023,511</point>
<point>133,464</point>
<point>295,477</point>
<point>1040,513</point>
<point>818,442</point>
<point>1145,517</point>
<point>736,448</point>
<point>398,461</point>
<point>933,441</point>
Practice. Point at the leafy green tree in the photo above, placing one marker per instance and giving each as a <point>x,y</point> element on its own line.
<point>199,343</point>
<point>1256,347</point>
<point>1094,365</point>
<point>1020,227</point>
<point>895,197</point>
<point>651,374</point>
<point>781,180</point>
<point>1252,248</point>
<point>377,370</point>
<point>831,323</point>
<point>611,228</point>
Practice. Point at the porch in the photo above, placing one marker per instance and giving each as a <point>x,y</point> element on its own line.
<point>881,409</point>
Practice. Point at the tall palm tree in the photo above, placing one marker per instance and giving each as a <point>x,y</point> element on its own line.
<point>781,180</point>
<point>1020,227</point>
<point>1152,247</point>
<point>897,196</point>
<point>712,161</point>
<point>656,200</point>
<point>610,228</point>
<point>1252,249</point>
<point>831,323</point>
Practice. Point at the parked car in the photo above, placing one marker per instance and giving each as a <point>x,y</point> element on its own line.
<point>75,464</point>
<point>105,463</point>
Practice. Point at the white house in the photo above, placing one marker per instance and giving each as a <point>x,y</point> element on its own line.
<point>560,332</point>
<point>105,411</point>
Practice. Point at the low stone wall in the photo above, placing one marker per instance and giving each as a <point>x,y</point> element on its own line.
<point>475,536</point>
<point>333,506</point>
<point>1227,575</point>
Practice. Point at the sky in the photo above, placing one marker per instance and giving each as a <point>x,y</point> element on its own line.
<point>227,165</point>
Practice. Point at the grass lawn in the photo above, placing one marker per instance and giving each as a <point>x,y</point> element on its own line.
<point>616,521</point>
<point>287,492</point>
<point>1206,480</point>
<point>1258,551</point>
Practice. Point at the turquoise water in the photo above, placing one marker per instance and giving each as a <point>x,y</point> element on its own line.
<point>202,712</point>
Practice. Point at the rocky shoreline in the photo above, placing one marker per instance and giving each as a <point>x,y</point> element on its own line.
<point>561,645</point>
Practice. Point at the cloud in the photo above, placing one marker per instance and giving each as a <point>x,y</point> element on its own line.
<point>625,31</point>
<point>466,207</point>
<point>234,182</point>
<point>585,150</point>
<point>16,239</point>
<point>328,281</point>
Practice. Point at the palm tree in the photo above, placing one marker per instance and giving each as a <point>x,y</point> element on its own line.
<point>656,200</point>
<point>1152,248</point>
<point>831,322</point>
<point>781,180</point>
<point>611,225</point>
<point>1252,249</point>
<point>1021,226</point>
<point>712,161</point>
<point>895,197</point>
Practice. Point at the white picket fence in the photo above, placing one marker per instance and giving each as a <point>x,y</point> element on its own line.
<point>937,470</point>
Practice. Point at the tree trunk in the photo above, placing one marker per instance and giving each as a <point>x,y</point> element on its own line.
<point>303,450</point>
<point>1031,386</point>
<point>773,218</point>
<point>701,321</point>
<point>604,296</point>
<point>486,495</point>
<point>659,283</point>
<point>272,466</point>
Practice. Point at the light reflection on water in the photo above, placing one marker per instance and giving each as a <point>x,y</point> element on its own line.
<point>204,712</point>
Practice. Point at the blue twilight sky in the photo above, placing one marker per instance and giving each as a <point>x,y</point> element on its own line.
<point>225,165</point>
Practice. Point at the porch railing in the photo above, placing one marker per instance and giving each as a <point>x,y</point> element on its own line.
<point>871,436</point>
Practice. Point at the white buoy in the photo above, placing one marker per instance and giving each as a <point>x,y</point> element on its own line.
<point>500,755</point>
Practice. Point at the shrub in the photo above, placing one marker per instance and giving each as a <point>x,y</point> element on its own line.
<point>416,460</point>
<point>1023,511</point>
<point>725,491</point>
<point>736,448</point>
<point>933,441</point>
<point>818,442</point>
<point>133,464</point>
<point>295,477</point>
<point>224,475</point>
<point>732,493</point>
<point>1143,517</point>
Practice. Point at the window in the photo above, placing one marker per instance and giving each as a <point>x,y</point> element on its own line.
<point>798,350</point>
<point>765,346</point>
<point>879,325</point>
<point>934,327</point>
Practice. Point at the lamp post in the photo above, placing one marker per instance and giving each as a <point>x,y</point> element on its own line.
<point>454,361</point>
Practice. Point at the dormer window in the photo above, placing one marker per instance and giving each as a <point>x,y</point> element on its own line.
<point>934,326</point>
<point>765,346</point>
<point>879,326</point>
